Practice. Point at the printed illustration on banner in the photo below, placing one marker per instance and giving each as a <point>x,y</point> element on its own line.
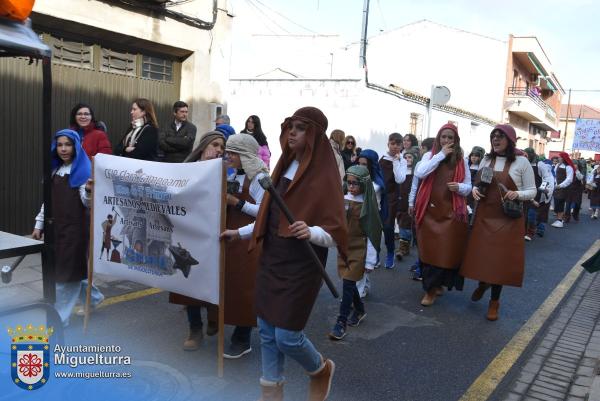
<point>30,355</point>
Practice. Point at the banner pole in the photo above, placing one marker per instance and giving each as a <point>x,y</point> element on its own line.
<point>221,336</point>
<point>90,272</point>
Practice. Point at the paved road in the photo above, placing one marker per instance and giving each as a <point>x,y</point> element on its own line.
<point>402,351</point>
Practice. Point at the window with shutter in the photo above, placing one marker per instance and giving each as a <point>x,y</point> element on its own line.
<point>117,62</point>
<point>74,54</point>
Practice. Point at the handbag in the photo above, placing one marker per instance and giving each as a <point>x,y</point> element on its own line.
<point>511,208</point>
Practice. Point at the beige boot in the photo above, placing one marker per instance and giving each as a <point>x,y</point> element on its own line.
<point>492,313</point>
<point>271,391</point>
<point>192,343</point>
<point>429,297</point>
<point>320,381</point>
<point>404,246</point>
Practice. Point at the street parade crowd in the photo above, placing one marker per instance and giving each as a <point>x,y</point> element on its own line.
<point>466,215</point>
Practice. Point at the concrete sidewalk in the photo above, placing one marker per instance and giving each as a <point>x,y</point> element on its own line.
<point>26,284</point>
<point>564,364</point>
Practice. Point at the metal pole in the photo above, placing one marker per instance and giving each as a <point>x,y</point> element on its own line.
<point>567,121</point>
<point>363,39</point>
<point>429,111</point>
<point>48,267</point>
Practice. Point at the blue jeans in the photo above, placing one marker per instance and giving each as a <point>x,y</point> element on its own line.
<point>350,297</point>
<point>388,235</point>
<point>406,234</point>
<point>277,343</point>
<point>67,295</point>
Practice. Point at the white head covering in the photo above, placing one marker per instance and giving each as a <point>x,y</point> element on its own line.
<point>246,146</point>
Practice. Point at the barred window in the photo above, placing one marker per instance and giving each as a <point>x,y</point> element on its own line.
<point>157,68</point>
<point>120,63</point>
<point>75,54</point>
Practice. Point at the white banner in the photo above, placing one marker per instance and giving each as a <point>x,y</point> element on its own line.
<point>160,223</point>
<point>587,135</point>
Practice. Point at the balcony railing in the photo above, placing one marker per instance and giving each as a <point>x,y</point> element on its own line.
<point>530,93</point>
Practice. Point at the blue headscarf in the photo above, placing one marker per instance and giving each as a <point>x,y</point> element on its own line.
<point>226,130</point>
<point>377,178</point>
<point>81,167</point>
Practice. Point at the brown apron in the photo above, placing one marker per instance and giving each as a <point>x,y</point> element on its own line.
<point>441,237</point>
<point>357,245</point>
<point>595,193</point>
<point>496,250</point>
<point>392,190</point>
<point>561,175</point>
<point>240,273</point>
<point>71,231</point>
<point>107,227</point>
<point>288,281</point>
<point>405,219</point>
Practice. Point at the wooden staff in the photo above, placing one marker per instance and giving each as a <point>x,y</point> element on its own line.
<point>221,335</point>
<point>267,184</point>
<point>90,272</point>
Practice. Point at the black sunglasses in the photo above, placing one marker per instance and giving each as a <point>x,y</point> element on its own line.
<point>350,143</point>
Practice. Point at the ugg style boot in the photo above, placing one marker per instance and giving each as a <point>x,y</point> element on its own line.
<point>320,381</point>
<point>271,391</point>
<point>404,246</point>
<point>479,291</point>
<point>429,297</point>
<point>192,343</point>
<point>492,313</point>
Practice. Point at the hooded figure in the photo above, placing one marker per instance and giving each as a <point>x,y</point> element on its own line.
<point>205,140</point>
<point>81,167</point>
<point>377,178</point>
<point>247,147</point>
<point>369,219</point>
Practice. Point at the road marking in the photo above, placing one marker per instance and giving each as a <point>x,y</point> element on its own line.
<point>487,382</point>
<point>130,296</point>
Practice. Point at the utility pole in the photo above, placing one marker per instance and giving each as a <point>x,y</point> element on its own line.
<point>363,39</point>
<point>566,121</point>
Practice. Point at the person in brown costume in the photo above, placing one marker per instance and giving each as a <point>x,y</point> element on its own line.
<point>211,146</point>
<point>496,251</point>
<point>441,213</point>
<point>288,281</point>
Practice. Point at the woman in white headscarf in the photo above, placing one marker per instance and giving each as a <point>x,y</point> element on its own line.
<point>244,196</point>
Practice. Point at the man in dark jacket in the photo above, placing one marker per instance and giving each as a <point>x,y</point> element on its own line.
<point>177,140</point>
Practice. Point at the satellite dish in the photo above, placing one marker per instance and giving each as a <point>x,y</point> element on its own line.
<point>440,95</point>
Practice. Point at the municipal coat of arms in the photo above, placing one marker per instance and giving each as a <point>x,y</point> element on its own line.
<point>30,356</point>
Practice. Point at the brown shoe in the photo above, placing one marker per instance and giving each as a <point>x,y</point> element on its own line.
<point>429,297</point>
<point>320,381</point>
<point>479,291</point>
<point>193,341</point>
<point>492,313</point>
<point>271,391</point>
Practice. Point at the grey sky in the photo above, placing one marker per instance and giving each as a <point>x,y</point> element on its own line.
<point>569,31</point>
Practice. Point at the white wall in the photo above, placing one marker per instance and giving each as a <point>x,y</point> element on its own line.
<point>368,115</point>
<point>204,75</point>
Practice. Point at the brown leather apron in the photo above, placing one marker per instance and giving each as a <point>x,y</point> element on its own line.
<point>288,281</point>
<point>240,268</point>
<point>405,219</point>
<point>441,237</point>
<point>240,273</point>
<point>561,175</point>
<point>496,249</point>
<point>357,245</point>
<point>71,231</point>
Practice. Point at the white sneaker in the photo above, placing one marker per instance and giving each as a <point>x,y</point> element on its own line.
<point>558,224</point>
<point>527,238</point>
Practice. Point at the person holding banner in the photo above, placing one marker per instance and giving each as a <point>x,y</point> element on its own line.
<point>288,279</point>
<point>211,146</point>
<point>564,172</point>
<point>71,188</point>
<point>244,196</point>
